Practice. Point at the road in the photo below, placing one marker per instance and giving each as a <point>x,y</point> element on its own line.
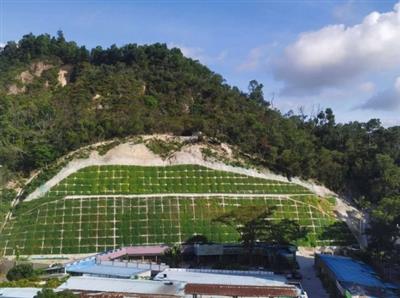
<point>311,283</point>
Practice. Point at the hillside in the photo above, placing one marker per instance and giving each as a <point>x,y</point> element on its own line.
<point>57,96</point>
<point>131,195</point>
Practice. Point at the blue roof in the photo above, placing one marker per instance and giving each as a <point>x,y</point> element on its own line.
<point>90,267</point>
<point>349,270</point>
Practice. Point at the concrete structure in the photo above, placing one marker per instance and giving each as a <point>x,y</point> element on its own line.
<point>351,278</point>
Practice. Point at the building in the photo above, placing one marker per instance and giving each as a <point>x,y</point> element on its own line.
<point>90,285</point>
<point>152,253</point>
<point>213,291</point>
<point>230,283</point>
<point>114,269</point>
<point>227,277</point>
<point>188,283</point>
<point>347,277</point>
<point>18,292</point>
<point>271,256</point>
<point>126,262</point>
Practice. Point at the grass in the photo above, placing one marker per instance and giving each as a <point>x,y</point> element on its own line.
<point>93,224</point>
<point>55,224</point>
<point>172,179</point>
<point>6,197</point>
<point>103,149</point>
<point>113,180</point>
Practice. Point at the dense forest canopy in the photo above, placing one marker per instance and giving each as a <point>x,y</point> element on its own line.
<point>145,89</point>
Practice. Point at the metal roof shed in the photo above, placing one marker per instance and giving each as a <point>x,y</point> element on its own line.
<point>90,284</point>
<point>353,278</point>
<point>18,292</point>
<point>117,270</point>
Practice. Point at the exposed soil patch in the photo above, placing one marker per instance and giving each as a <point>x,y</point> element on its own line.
<point>64,75</point>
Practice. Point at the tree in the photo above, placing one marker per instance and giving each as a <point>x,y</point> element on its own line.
<point>49,293</point>
<point>173,256</point>
<point>254,225</point>
<point>386,179</point>
<point>20,271</point>
<point>251,223</point>
<point>256,93</point>
<point>384,228</point>
<point>197,239</point>
<point>286,232</point>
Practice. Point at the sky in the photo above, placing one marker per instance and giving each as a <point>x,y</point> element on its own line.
<point>309,55</point>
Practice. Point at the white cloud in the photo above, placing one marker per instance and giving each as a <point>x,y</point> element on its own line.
<point>258,58</point>
<point>367,87</point>
<point>387,100</point>
<point>197,53</point>
<point>255,59</point>
<point>336,54</point>
<point>190,52</point>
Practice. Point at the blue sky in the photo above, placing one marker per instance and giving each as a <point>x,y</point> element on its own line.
<point>310,54</point>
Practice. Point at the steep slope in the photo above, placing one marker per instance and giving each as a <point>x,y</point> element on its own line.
<point>131,195</point>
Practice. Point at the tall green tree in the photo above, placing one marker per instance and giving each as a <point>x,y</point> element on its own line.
<point>254,224</point>
<point>385,224</point>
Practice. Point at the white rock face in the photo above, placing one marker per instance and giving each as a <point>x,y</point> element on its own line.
<point>140,155</point>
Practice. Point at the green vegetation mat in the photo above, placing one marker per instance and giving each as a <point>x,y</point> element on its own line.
<point>73,218</point>
<point>6,197</point>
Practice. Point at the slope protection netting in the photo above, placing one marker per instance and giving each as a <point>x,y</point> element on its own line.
<point>82,225</point>
<point>171,179</point>
<point>103,207</point>
<point>118,179</point>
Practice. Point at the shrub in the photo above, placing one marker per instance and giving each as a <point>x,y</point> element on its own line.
<point>20,271</point>
<point>49,293</point>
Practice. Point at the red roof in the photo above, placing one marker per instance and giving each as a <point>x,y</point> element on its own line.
<point>249,291</point>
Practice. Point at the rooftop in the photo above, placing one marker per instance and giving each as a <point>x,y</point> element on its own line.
<point>223,277</point>
<point>100,284</point>
<point>349,270</point>
<point>240,291</point>
<point>152,250</point>
<point>18,292</point>
<point>120,269</point>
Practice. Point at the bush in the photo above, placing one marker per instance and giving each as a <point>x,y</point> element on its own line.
<point>49,293</point>
<point>20,271</point>
<point>163,148</point>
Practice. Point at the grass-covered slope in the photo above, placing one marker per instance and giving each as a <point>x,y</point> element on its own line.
<point>103,207</point>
